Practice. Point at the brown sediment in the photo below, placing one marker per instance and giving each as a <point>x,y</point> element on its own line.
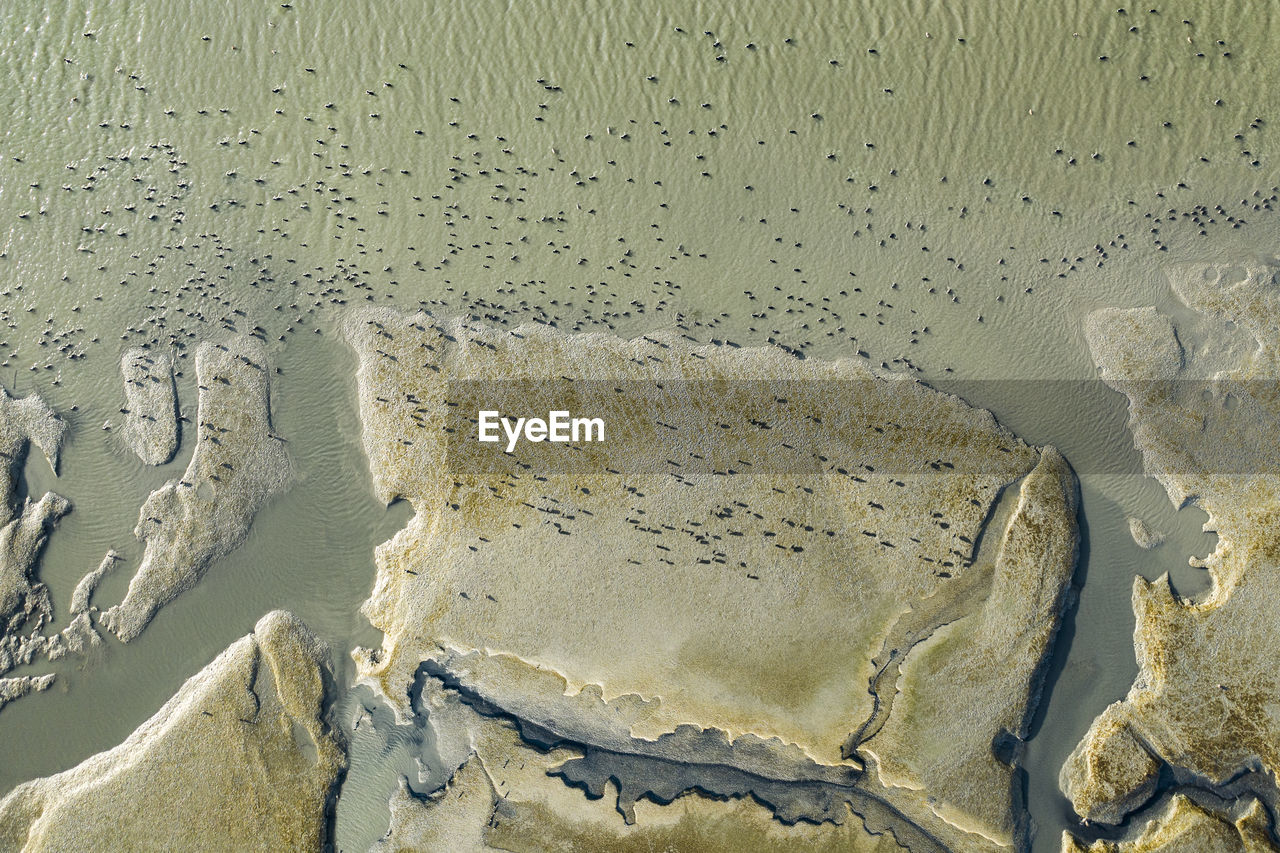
<point>1205,701</point>
<point>732,608</point>
<point>25,604</point>
<point>1184,825</point>
<point>470,814</point>
<point>151,405</point>
<point>1143,536</point>
<point>238,464</point>
<point>975,681</point>
<point>241,758</point>
<point>21,540</point>
<point>19,686</point>
<point>23,422</point>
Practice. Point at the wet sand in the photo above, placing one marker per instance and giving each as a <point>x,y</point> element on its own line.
<point>294,161</point>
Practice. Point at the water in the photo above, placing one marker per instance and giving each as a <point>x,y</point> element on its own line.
<point>313,156</point>
<point>321,569</point>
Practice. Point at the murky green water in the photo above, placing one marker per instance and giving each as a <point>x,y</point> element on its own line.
<point>940,188</point>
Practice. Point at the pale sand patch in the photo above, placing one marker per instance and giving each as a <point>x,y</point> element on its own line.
<point>723,619</point>
<point>241,758</point>
<point>238,464</point>
<point>1206,701</point>
<point>151,405</point>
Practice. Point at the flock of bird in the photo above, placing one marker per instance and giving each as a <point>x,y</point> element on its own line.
<point>623,222</point>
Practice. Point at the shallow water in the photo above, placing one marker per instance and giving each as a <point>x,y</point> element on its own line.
<point>298,149</point>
